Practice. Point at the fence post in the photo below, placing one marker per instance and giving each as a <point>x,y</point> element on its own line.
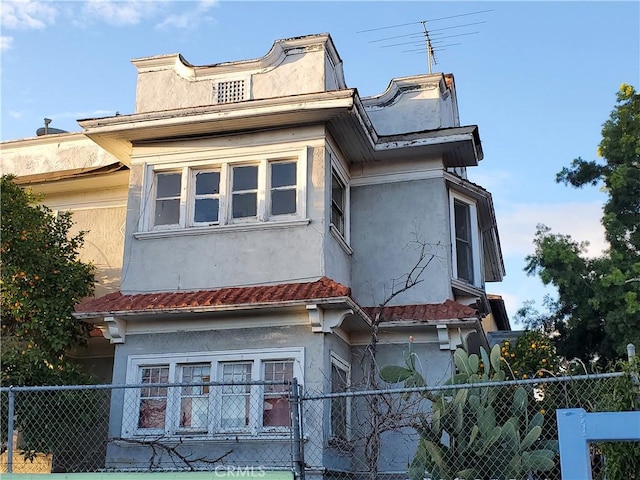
<point>10,415</point>
<point>633,367</point>
<point>298,459</point>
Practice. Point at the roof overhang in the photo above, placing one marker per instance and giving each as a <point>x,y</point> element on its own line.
<point>342,111</point>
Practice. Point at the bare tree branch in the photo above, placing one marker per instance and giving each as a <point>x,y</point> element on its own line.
<point>158,447</point>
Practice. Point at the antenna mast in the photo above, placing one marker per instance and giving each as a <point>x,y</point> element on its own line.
<point>431,58</point>
<point>423,39</point>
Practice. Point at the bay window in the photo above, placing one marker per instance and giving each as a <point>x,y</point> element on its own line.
<point>239,392</point>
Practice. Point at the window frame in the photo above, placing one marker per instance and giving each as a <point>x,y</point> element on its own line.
<point>338,170</point>
<point>476,258</point>
<point>191,211</point>
<point>215,361</point>
<point>340,364</point>
<point>225,167</point>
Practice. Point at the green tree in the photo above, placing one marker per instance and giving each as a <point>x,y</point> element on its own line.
<point>597,312</point>
<point>42,280</point>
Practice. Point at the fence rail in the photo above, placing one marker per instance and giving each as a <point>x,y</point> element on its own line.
<point>495,430</point>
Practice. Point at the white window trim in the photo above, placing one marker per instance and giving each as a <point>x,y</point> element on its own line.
<point>344,239</point>
<point>215,359</point>
<point>345,366</point>
<point>224,165</point>
<point>478,274</point>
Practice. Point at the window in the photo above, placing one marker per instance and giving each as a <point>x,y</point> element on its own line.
<point>235,401</point>
<point>153,400</point>
<point>465,240</point>
<point>339,405</point>
<point>206,197</point>
<point>168,188</point>
<point>236,404</point>
<point>194,400</point>
<point>283,188</point>
<point>245,192</point>
<point>338,197</point>
<point>276,403</point>
<point>464,256</point>
<point>205,194</point>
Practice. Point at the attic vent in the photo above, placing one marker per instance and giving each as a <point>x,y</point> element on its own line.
<point>231,91</point>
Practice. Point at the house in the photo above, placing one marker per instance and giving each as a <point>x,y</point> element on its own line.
<point>273,216</point>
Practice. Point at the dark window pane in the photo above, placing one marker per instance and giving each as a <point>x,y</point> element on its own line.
<point>464,261</point>
<point>283,201</point>
<point>168,185</point>
<point>207,183</point>
<point>167,212</point>
<point>283,174</point>
<point>206,210</point>
<point>245,178</point>
<point>338,404</point>
<point>244,205</point>
<point>337,192</point>
<point>463,221</point>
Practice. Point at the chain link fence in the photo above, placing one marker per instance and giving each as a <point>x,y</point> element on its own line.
<point>490,431</point>
<point>153,426</point>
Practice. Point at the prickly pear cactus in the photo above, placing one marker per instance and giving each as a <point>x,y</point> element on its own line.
<point>479,431</point>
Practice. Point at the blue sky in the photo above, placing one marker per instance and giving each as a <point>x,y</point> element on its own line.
<point>539,79</point>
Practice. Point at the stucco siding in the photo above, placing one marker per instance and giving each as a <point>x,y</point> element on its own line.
<point>386,221</point>
<point>299,73</point>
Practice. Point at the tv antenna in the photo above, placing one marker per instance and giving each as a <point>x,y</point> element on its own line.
<point>427,38</point>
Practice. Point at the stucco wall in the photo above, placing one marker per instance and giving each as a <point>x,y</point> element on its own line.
<point>171,85</point>
<point>413,104</point>
<point>386,219</point>
<point>302,71</point>
<point>51,153</point>
<point>397,446</point>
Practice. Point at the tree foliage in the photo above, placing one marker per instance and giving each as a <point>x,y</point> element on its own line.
<point>531,355</point>
<point>597,312</point>
<point>42,280</point>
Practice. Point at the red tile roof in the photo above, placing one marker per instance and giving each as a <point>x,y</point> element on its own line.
<point>424,312</point>
<point>117,302</point>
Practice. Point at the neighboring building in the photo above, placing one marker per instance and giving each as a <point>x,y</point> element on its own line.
<point>270,211</point>
<point>74,174</point>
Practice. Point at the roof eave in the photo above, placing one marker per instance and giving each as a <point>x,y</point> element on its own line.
<point>117,134</point>
<point>152,312</point>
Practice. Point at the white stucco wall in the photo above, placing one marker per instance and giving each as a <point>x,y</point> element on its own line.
<point>51,153</point>
<point>291,68</point>
<point>413,104</point>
